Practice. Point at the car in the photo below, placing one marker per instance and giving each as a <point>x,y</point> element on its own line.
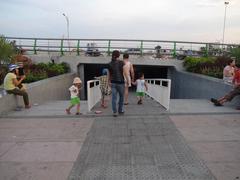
<point>133,51</point>
<point>92,50</point>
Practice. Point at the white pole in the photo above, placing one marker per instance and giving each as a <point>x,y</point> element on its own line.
<point>67,19</point>
<point>226,3</point>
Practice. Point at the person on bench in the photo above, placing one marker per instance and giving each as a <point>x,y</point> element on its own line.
<point>12,83</point>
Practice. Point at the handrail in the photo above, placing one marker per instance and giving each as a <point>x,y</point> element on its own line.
<point>93,93</point>
<point>160,90</point>
<point>142,47</point>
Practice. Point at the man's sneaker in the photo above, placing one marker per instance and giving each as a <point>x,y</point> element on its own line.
<point>216,102</point>
<point>121,113</point>
<point>115,114</point>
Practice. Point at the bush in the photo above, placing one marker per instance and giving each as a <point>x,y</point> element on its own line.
<point>207,66</point>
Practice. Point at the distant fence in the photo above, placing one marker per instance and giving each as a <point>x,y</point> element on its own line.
<point>160,90</point>
<point>93,93</point>
<point>140,47</point>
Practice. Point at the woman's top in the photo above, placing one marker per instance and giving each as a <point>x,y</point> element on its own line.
<point>8,81</point>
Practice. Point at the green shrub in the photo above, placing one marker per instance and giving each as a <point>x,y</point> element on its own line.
<point>207,66</point>
<point>191,63</point>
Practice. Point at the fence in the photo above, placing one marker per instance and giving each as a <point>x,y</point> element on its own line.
<point>93,93</point>
<point>160,90</point>
<point>96,47</point>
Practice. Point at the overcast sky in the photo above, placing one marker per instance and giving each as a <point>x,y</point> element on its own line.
<point>183,20</point>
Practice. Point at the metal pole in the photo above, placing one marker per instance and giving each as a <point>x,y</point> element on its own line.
<point>225,12</point>
<point>67,19</point>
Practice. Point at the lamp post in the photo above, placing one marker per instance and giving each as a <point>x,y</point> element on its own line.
<point>225,12</point>
<point>67,19</point>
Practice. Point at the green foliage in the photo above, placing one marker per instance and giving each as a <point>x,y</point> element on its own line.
<point>35,76</point>
<point>7,51</point>
<point>36,72</point>
<point>235,52</point>
<point>191,63</point>
<point>207,66</point>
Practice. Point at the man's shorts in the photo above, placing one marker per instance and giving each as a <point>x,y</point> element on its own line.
<point>75,101</point>
<point>233,93</point>
<point>141,94</point>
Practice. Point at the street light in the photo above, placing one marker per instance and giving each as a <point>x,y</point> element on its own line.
<point>67,19</point>
<point>226,3</point>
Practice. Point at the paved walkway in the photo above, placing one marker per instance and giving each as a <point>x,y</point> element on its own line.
<point>195,140</point>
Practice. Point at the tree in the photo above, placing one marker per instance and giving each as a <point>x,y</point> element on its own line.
<point>7,51</point>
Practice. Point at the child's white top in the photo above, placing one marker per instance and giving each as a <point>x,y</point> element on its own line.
<point>140,85</point>
<point>74,91</point>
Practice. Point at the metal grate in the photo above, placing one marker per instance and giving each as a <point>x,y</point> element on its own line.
<point>137,148</point>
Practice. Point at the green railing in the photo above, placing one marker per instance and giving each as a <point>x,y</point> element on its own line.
<point>101,46</point>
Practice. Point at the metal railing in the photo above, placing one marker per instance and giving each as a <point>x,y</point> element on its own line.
<point>93,93</point>
<point>159,90</point>
<point>139,47</point>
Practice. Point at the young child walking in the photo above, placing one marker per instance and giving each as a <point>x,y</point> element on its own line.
<point>74,91</point>
<point>141,87</point>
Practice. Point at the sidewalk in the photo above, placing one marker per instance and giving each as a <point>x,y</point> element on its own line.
<point>195,140</point>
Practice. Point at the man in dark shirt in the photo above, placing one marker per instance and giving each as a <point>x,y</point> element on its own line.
<point>116,79</point>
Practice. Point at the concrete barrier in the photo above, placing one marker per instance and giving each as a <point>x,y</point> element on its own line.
<point>55,88</point>
<point>186,85</point>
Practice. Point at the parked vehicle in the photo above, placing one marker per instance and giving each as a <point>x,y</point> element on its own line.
<point>133,51</point>
<point>92,50</point>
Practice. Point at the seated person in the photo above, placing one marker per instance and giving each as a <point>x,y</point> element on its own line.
<point>228,72</point>
<point>11,84</point>
<point>231,94</point>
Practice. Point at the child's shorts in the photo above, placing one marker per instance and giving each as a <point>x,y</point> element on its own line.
<point>75,101</point>
<point>141,94</point>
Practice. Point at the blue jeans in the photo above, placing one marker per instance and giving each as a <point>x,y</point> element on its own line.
<point>117,89</point>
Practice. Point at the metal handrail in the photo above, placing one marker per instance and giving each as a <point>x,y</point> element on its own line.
<point>107,45</point>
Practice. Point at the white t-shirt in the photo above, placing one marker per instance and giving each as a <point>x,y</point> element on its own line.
<point>140,85</point>
<point>74,91</point>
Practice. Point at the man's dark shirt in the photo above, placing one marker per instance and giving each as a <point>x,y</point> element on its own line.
<point>116,71</point>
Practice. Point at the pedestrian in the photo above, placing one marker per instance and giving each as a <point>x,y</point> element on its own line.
<point>129,76</point>
<point>116,81</point>
<point>13,85</point>
<point>141,87</point>
<point>74,91</point>
<point>228,72</point>
<point>105,89</point>
<point>234,92</point>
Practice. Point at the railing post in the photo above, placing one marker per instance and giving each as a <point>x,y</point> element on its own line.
<point>78,45</point>
<point>174,49</point>
<point>141,48</point>
<point>109,47</point>
<point>34,47</point>
<point>206,51</point>
<point>61,49</point>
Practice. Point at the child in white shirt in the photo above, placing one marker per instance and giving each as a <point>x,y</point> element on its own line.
<point>74,91</point>
<point>141,87</point>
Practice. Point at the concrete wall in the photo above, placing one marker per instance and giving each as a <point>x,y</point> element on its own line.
<point>187,85</point>
<point>55,88</point>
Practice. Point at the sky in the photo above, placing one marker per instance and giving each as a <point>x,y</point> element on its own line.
<point>173,20</point>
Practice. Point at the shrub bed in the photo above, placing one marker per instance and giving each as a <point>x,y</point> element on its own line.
<point>210,66</point>
<point>36,72</point>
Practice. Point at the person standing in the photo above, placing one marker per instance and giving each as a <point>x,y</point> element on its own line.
<point>116,80</point>
<point>104,86</point>
<point>11,84</point>
<point>129,71</point>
